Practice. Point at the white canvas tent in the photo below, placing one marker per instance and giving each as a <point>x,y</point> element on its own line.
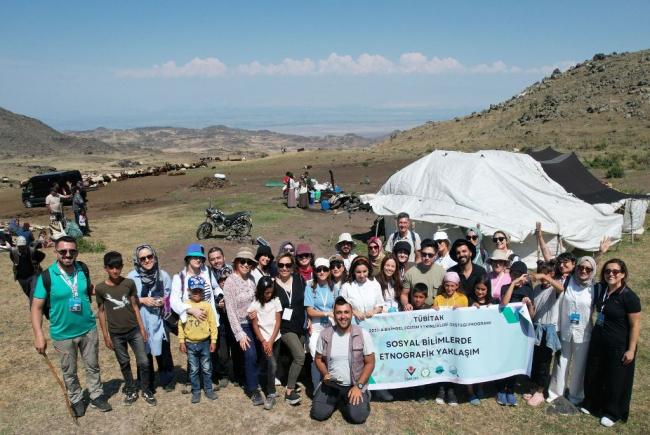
<point>500,191</point>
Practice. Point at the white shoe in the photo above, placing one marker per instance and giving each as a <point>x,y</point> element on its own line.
<point>605,421</point>
<point>277,382</point>
<point>585,411</point>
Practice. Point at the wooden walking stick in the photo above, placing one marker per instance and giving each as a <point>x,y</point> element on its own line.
<point>65,393</point>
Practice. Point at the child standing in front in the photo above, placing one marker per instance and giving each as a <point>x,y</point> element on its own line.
<point>545,296</point>
<point>449,297</point>
<point>121,325</point>
<point>266,326</point>
<point>198,338</point>
<point>419,296</point>
<point>481,296</point>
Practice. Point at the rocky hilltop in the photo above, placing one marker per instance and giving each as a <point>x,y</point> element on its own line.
<point>24,136</point>
<point>597,107</point>
<point>216,139</point>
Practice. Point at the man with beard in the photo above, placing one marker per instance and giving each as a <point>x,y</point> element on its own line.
<point>344,248</point>
<point>344,369</point>
<point>220,359</point>
<point>462,252</point>
<point>426,272</point>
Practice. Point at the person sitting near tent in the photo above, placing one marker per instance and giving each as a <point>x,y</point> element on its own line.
<point>404,233</point>
<point>26,232</point>
<point>344,248</point>
<point>376,254</point>
<point>475,237</point>
<point>442,245</point>
<point>426,272</point>
<point>502,243</point>
<point>402,251</point>
<point>463,252</point>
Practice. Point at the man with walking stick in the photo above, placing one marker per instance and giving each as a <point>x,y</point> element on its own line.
<point>62,292</point>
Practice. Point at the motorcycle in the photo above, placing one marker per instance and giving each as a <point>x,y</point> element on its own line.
<point>234,225</point>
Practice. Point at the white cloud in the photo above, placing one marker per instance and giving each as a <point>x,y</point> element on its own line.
<point>197,67</point>
<point>335,64</point>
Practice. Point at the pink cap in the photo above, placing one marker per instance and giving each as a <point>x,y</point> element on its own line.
<point>451,277</point>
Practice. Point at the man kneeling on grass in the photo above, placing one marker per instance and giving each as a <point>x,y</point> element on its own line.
<point>345,368</point>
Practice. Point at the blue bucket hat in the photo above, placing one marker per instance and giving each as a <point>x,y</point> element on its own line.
<point>195,282</point>
<point>195,250</point>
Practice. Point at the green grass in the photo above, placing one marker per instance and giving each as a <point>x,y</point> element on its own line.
<point>90,246</point>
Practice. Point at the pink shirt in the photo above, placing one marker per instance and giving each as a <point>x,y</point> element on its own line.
<point>498,281</point>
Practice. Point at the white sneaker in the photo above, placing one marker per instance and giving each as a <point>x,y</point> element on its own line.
<point>277,382</point>
<point>605,421</point>
<point>585,411</point>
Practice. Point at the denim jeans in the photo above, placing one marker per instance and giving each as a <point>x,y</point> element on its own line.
<point>271,367</point>
<point>121,343</point>
<point>250,361</point>
<point>88,346</point>
<point>198,358</point>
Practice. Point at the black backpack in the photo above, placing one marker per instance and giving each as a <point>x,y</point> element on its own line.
<point>47,284</point>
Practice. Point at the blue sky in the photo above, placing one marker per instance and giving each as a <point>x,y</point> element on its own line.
<point>86,64</point>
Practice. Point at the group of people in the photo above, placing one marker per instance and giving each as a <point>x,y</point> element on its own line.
<point>247,321</point>
<point>298,192</point>
<point>54,204</point>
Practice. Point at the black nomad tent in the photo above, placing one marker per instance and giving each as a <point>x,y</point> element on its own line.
<point>570,173</point>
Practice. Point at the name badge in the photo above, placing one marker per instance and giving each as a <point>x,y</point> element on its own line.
<point>74,305</point>
<point>287,313</point>
<point>600,319</point>
<point>574,318</point>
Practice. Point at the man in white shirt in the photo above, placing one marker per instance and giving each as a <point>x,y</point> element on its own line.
<point>404,233</point>
<point>345,373</point>
<point>344,248</point>
<point>54,205</point>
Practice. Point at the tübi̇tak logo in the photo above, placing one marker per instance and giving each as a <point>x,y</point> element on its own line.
<point>410,370</point>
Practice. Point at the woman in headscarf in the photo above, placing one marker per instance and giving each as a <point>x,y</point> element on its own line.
<point>154,287</point>
<point>475,237</point>
<point>286,246</point>
<point>576,308</point>
<point>376,254</point>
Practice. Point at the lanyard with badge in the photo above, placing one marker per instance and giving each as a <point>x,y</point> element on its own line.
<point>600,315</point>
<point>574,315</point>
<point>287,312</point>
<point>324,320</point>
<point>74,303</point>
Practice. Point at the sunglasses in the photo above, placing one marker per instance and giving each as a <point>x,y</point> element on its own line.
<point>440,241</point>
<point>471,238</point>
<point>614,272</point>
<point>428,255</point>
<point>304,256</point>
<point>285,265</point>
<point>585,268</point>
<point>498,239</point>
<point>402,253</point>
<point>145,258</point>
<point>67,252</point>
<point>321,269</point>
<point>246,262</point>
<point>336,264</point>
<point>373,247</point>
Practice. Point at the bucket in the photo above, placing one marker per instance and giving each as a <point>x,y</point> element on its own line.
<point>325,204</point>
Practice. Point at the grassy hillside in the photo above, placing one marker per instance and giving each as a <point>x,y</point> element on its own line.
<point>24,136</point>
<point>600,107</point>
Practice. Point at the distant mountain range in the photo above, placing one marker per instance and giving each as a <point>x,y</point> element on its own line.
<point>214,139</point>
<point>24,136</point>
<point>598,107</point>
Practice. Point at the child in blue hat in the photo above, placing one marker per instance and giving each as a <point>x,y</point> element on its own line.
<point>197,339</point>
